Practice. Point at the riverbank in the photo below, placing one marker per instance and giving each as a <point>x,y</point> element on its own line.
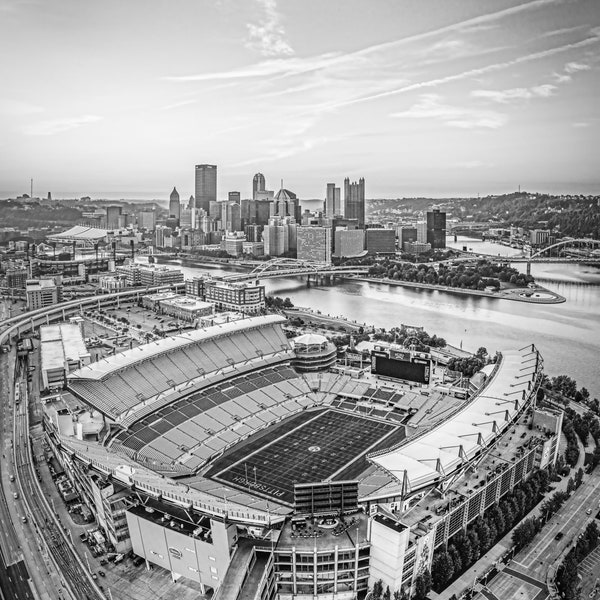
<point>539,295</point>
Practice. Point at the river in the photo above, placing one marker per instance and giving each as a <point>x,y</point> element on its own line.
<point>567,335</point>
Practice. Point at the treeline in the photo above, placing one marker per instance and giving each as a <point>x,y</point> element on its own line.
<point>465,548</point>
<point>277,302</point>
<point>472,277</point>
<point>401,335</point>
<point>16,215</point>
<point>472,364</point>
<point>567,577</point>
<point>422,588</point>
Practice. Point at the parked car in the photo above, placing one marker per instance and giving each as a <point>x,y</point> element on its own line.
<point>559,536</point>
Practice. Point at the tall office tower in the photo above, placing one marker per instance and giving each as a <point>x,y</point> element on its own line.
<point>234,197</point>
<point>436,228</point>
<point>258,185</point>
<point>113,214</point>
<point>191,202</point>
<point>421,232</point>
<point>314,244</point>
<point>354,200</point>
<point>332,201</point>
<point>285,204</point>
<point>231,219</point>
<point>276,237</point>
<point>174,205</point>
<point>206,186</point>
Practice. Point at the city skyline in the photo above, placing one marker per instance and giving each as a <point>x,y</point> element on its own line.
<point>443,99</point>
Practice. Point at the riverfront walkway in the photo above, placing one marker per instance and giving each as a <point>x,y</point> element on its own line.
<point>539,295</point>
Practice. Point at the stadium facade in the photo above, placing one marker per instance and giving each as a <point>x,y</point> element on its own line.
<point>237,471</point>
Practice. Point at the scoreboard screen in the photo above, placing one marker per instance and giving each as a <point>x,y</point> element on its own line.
<point>417,370</point>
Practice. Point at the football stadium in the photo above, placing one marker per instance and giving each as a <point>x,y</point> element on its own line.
<point>256,480</point>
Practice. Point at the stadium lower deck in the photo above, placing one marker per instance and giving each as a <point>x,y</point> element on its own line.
<point>314,445</point>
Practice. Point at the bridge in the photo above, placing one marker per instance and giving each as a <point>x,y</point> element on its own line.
<point>291,267</point>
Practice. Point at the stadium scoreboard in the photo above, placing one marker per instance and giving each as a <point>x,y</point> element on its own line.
<point>326,498</point>
<point>406,365</point>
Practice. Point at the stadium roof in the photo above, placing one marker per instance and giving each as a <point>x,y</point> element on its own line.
<point>79,232</point>
<point>426,459</point>
<point>117,362</point>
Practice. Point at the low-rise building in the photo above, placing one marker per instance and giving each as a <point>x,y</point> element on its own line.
<point>62,350</point>
<point>41,293</point>
<point>242,297</point>
<point>186,309</point>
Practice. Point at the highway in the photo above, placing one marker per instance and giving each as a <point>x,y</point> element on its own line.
<point>14,577</point>
<point>62,552</point>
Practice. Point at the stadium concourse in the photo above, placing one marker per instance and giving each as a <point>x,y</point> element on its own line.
<point>221,446</point>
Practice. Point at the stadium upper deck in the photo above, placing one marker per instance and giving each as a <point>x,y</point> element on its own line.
<point>443,450</point>
<point>133,383</point>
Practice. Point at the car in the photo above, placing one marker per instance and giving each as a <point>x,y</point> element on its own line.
<point>102,573</point>
<point>24,519</point>
<point>11,477</point>
<point>137,561</point>
<point>103,561</point>
<point>83,536</point>
<point>15,495</point>
<point>588,511</point>
<point>559,536</point>
<point>94,576</point>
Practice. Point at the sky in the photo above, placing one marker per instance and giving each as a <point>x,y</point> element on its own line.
<point>121,98</point>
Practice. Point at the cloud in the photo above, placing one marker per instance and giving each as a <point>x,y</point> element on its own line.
<point>505,96</point>
<point>267,68</point>
<point>54,126</point>
<point>573,67</point>
<point>17,108</point>
<point>430,106</point>
<point>268,37</point>
<point>432,83</point>
<point>178,104</point>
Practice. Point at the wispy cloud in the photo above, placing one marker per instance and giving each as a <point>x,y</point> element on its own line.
<point>505,96</point>
<point>573,67</point>
<point>54,126</point>
<point>471,73</point>
<point>269,37</point>
<point>430,106</point>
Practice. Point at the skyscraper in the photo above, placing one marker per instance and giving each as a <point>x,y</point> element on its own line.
<point>174,205</point>
<point>234,197</point>
<point>206,186</point>
<point>436,228</point>
<point>354,200</point>
<point>333,201</point>
<point>258,185</point>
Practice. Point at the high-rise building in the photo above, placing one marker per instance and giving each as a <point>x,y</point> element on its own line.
<point>258,185</point>
<point>113,213</point>
<point>406,235</point>
<point>349,242</point>
<point>314,244</point>
<point>234,197</point>
<point>354,200</point>
<point>436,228</point>
<point>277,234</point>
<point>205,186</point>
<point>422,232</point>
<point>285,204</point>
<point>174,205</point>
<point>333,201</point>
<point>380,241</point>
<point>231,219</point>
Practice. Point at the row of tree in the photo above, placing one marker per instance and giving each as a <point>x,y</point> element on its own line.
<point>466,547</point>
<point>406,336</point>
<point>572,450</point>
<point>473,277</point>
<point>422,588</point>
<point>567,578</point>
<point>472,364</point>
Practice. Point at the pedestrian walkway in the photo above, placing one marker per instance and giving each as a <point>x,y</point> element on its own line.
<point>468,580</point>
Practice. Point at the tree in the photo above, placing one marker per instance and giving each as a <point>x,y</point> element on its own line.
<point>377,590</point>
<point>387,595</point>
<point>442,570</point>
<point>422,585</point>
